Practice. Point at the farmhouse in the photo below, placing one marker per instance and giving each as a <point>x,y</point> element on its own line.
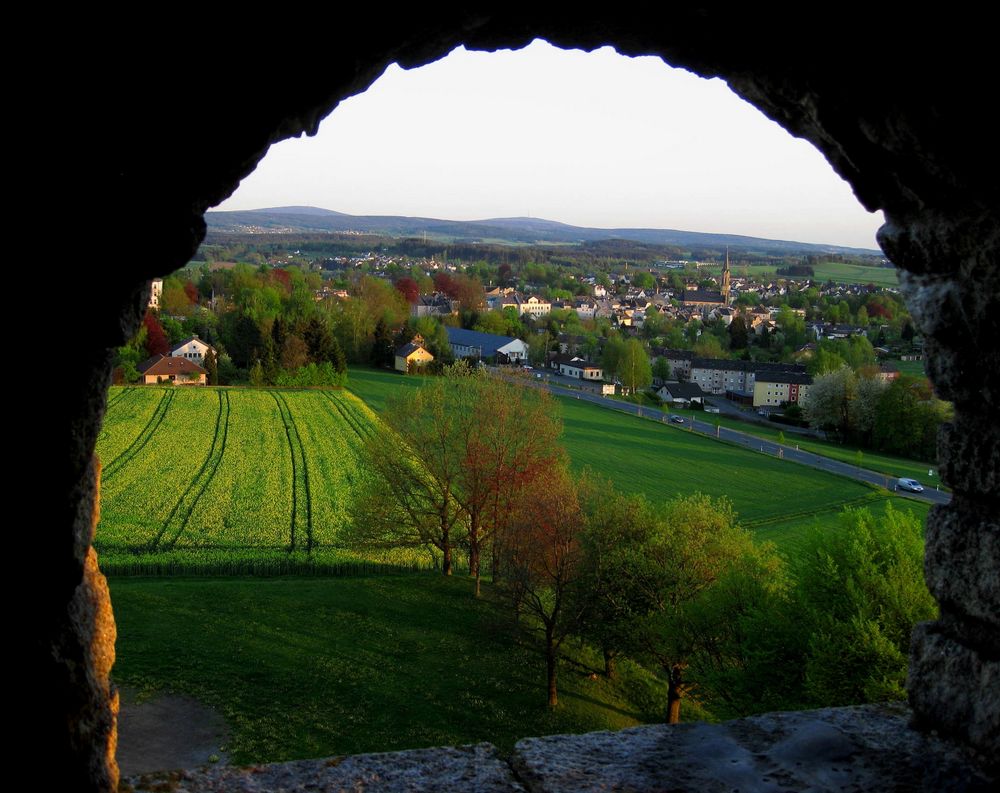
<point>486,346</point>
<point>168,369</point>
<point>412,356</point>
<point>193,349</point>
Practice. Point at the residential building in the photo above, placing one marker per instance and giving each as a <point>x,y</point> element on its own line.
<point>155,293</point>
<point>167,369</point>
<point>193,349</point>
<point>486,346</point>
<point>412,356</point>
<point>681,393</point>
<point>771,389</point>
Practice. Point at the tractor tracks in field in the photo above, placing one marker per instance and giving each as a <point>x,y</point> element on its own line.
<point>301,497</point>
<point>177,520</point>
<point>141,439</point>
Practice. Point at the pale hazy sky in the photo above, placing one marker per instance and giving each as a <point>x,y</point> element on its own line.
<point>591,139</point>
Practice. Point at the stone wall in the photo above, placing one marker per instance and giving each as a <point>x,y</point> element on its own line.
<point>151,134</point>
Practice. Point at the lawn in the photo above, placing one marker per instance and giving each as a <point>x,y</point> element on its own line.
<point>887,464</point>
<point>309,667</point>
<point>779,500</point>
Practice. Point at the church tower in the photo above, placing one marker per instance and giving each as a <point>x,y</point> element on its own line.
<point>725,279</point>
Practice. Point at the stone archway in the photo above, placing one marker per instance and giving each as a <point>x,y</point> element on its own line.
<point>890,103</point>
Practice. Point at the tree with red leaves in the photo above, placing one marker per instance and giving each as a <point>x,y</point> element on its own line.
<point>156,338</point>
<point>283,279</point>
<point>191,291</point>
<point>444,283</point>
<point>509,435</point>
<point>544,562</point>
<point>409,289</point>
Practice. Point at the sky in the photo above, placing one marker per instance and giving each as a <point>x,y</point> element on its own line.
<point>591,139</point>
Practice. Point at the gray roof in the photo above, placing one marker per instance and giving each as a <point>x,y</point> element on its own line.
<point>488,343</point>
<point>794,378</point>
<point>684,390</point>
<point>409,349</point>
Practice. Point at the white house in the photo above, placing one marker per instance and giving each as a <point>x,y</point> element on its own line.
<point>193,349</point>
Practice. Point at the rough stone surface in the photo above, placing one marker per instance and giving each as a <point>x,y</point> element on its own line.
<point>956,540</point>
<point>955,689</point>
<point>863,748</point>
<point>147,165</point>
<point>970,455</point>
<point>465,769</point>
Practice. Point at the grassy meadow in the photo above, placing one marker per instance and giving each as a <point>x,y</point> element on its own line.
<point>312,667</point>
<point>780,500</point>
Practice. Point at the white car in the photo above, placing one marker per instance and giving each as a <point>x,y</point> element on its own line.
<point>910,484</point>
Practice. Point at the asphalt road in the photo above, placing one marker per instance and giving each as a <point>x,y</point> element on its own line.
<point>785,451</point>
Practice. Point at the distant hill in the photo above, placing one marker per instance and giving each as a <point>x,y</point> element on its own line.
<point>300,219</point>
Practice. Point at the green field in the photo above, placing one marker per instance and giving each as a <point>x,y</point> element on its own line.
<point>911,368</point>
<point>838,272</point>
<point>239,480</point>
<point>886,464</point>
<point>249,478</point>
<point>784,499</point>
<point>310,667</point>
<point>841,273</point>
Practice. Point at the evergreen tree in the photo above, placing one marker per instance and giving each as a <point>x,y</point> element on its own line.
<point>212,367</point>
<point>382,348</point>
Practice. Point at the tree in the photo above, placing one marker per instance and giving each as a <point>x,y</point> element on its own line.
<point>827,405</point>
<point>614,347</point>
<point>738,333</point>
<point>542,559</point>
<point>411,463</point>
<point>212,367</point>
<point>661,369</point>
<point>509,436</point>
<point>294,352</point>
<point>382,348</point>
<point>633,367</point>
<point>860,591</point>
<point>611,594</point>
<point>693,544</point>
<point>156,339</point>
<point>409,289</point>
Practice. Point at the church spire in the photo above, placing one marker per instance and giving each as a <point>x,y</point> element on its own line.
<point>725,279</point>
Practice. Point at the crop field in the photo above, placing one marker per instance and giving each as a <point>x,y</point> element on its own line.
<point>196,476</point>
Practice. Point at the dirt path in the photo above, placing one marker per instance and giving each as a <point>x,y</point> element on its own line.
<point>168,732</point>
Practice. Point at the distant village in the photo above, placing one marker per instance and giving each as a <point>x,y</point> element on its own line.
<point>626,304</point>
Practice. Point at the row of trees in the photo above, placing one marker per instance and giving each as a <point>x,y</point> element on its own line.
<point>901,417</point>
<point>470,465</point>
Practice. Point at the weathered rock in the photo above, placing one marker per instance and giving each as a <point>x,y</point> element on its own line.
<point>863,748</point>
<point>969,449</point>
<point>955,689</point>
<point>464,769</point>
<point>958,540</point>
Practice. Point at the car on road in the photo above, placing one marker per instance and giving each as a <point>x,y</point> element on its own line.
<point>676,419</point>
<point>910,484</point>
